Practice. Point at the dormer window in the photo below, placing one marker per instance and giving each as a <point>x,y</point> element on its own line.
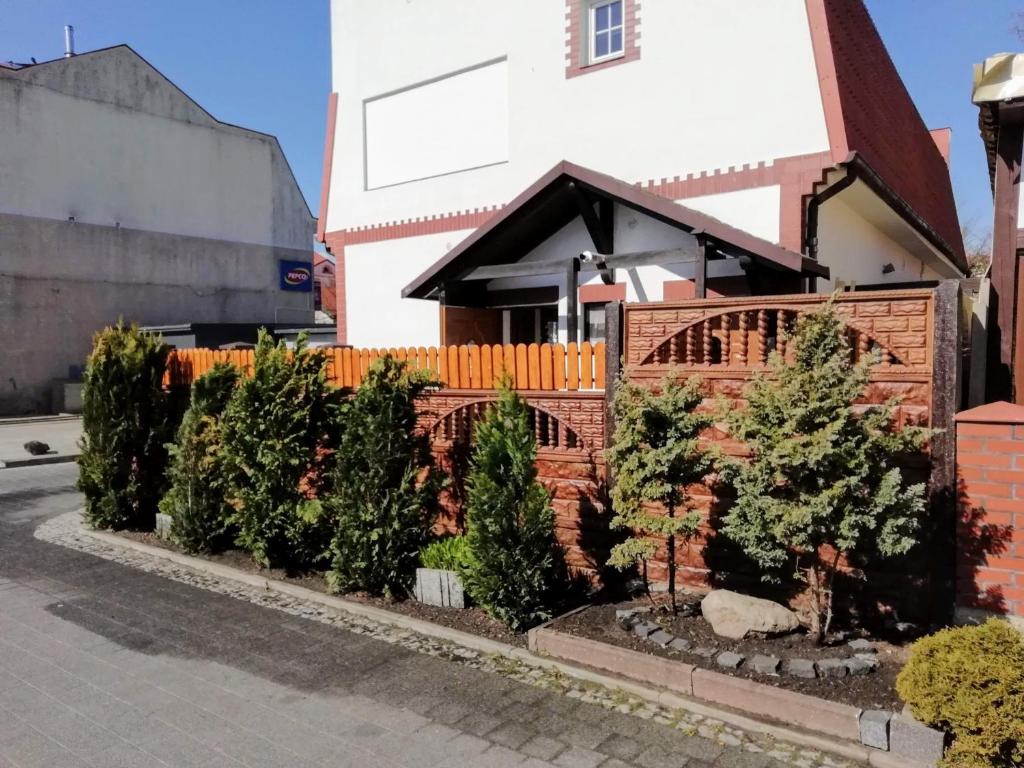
<point>606,30</point>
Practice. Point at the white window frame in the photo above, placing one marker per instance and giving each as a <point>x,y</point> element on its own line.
<point>592,57</point>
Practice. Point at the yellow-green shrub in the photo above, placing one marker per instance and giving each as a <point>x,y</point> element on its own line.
<point>970,681</point>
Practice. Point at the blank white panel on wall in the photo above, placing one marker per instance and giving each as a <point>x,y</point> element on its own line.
<point>445,125</point>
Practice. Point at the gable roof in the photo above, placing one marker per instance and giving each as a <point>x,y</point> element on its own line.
<point>869,111</point>
<point>551,202</point>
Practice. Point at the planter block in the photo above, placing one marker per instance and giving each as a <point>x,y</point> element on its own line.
<point>162,528</point>
<point>874,728</point>
<point>915,741</point>
<point>441,588</point>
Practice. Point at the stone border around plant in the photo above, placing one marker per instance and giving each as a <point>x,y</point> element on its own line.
<point>646,700</point>
<point>891,739</point>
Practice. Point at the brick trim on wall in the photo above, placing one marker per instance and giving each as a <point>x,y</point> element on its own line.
<point>796,175</point>
<point>578,43</point>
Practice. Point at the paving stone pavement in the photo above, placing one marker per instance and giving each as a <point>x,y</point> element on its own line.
<point>106,663</point>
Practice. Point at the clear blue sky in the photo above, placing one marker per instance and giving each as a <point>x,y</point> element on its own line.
<point>265,64</point>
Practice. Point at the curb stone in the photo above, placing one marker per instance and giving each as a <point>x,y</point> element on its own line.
<point>480,653</point>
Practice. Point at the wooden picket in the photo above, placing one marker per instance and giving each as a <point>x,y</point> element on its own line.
<point>543,367</point>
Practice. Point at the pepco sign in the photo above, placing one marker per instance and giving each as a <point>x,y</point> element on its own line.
<point>296,276</point>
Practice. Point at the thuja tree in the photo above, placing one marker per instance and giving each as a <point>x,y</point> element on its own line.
<point>822,480</point>
<point>126,422</point>
<point>277,433</point>
<point>515,569</point>
<point>197,500</point>
<point>656,454</point>
<point>384,485</point>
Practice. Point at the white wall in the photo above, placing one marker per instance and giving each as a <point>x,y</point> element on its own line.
<point>375,274</point>
<point>753,210</point>
<point>102,162</point>
<point>856,251</point>
<point>716,85</point>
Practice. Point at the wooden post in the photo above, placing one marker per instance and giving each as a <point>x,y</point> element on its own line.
<point>572,281</point>
<point>942,490</point>
<point>613,351</point>
<point>700,290</point>
<point>1003,296</point>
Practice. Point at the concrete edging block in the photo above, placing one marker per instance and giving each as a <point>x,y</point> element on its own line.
<point>673,675</point>
<point>788,706</point>
<point>915,741</point>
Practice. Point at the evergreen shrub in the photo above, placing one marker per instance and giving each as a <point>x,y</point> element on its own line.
<point>450,553</point>
<point>197,499</point>
<point>515,571</point>
<point>278,432</point>
<point>126,422</point>
<point>969,681</point>
<point>384,486</point>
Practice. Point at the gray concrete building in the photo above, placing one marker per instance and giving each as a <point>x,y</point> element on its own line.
<point>121,197</point>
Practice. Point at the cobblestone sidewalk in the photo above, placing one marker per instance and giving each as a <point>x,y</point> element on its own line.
<point>557,718</point>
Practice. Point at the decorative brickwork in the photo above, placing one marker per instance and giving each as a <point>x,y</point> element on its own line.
<point>726,341</point>
<point>990,521</point>
<point>571,469</point>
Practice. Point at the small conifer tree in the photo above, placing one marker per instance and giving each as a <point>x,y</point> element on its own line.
<point>515,570</point>
<point>656,454</point>
<point>278,431</point>
<point>197,499</point>
<point>822,480</point>
<point>383,487</point>
<point>126,422</point>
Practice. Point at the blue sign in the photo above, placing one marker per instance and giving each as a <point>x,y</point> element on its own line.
<point>296,276</point>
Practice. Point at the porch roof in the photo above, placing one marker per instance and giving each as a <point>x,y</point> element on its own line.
<point>561,195</point>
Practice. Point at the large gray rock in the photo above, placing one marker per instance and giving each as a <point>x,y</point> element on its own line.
<point>735,616</point>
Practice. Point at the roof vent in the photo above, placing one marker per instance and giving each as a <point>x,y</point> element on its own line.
<point>69,41</point>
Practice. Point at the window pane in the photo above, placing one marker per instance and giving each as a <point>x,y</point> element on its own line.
<point>616,12</point>
<point>593,323</point>
<point>601,45</point>
<point>616,44</point>
<point>601,18</point>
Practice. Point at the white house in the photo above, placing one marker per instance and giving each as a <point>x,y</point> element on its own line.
<point>775,139</point>
<point>121,197</point>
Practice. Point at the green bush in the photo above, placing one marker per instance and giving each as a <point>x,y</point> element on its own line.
<point>515,570</point>
<point>278,432</point>
<point>126,422</point>
<point>970,681</point>
<point>197,500</point>
<point>823,479</point>
<point>383,484</point>
<point>450,553</point>
<point>656,455</point>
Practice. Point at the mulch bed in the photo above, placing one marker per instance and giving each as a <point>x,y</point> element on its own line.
<point>872,691</point>
<point>472,620</point>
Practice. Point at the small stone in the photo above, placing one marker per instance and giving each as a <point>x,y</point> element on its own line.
<point>729,660</point>
<point>801,668</point>
<point>661,637</point>
<point>861,646</point>
<point>832,668</point>
<point>37,447</point>
<point>765,665</point>
<point>679,644</point>
<point>874,728</point>
<point>858,667</point>
<point>870,658</point>
<point>644,629</point>
<point>704,651</point>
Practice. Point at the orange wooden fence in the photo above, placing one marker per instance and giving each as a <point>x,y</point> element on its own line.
<point>544,367</point>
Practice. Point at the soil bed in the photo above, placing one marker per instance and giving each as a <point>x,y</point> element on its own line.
<point>872,691</point>
<point>472,620</point>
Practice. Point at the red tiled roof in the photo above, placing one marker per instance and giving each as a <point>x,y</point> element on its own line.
<point>879,120</point>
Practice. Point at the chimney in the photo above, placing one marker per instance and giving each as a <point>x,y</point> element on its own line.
<point>69,41</point>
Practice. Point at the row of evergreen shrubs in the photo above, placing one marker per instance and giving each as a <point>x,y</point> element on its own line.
<point>306,476</point>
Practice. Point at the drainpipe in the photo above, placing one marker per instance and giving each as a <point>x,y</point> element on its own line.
<point>69,41</point>
<point>811,235</point>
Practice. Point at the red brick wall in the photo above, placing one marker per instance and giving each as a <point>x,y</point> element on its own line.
<point>990,521</point>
